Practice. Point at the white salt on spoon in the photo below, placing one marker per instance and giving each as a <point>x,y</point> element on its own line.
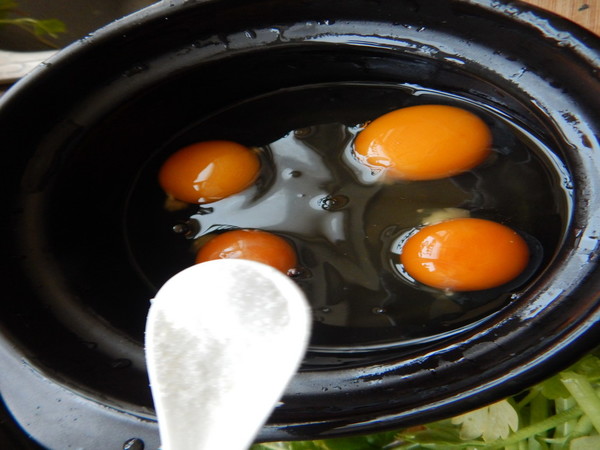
<point>223,340</point>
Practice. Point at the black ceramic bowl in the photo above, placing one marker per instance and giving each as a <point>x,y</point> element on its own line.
<point>77,131</point>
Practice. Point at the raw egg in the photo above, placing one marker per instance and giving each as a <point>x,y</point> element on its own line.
<point>424,142</point>
<point>255,245</point>
<point>465,254</point>
<point>209,171</point>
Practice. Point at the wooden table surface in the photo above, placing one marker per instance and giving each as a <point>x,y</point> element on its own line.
<point>584,12</point>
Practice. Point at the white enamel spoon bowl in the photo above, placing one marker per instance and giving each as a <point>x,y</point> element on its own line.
<point>223,340</point>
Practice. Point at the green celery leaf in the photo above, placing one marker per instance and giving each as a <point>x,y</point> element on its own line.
<point>39,28</point>
<point>585,443</point>
<point>553,389</point>
<point>50,27</point>
<point>584,393</point>
<point>589,366</point>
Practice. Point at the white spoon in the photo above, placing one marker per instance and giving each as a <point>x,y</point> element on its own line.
<point>223,340</point>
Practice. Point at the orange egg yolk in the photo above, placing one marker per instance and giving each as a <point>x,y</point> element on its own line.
<point>209,171</point>
<point>465,255</point>
<point>424,142</point>
<point>254,245</point>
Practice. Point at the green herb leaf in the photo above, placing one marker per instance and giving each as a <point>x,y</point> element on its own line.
<point>491,422</point>
<point>562,412</point>
<point>39,28</point>
<point>584,394</point>
<point>50,27</point>
<point>586,443</point>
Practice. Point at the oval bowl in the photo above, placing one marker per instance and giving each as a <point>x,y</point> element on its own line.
<point>77,130</point>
